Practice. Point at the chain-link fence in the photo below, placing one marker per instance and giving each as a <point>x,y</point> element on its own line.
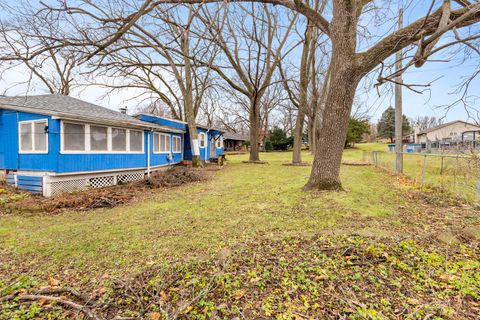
<point>458,174</point>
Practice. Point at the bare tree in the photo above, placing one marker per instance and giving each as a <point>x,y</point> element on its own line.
<point>426,122</point>
<point>252,44</point>
<point>21,33</point>
<point>157,56</point>
<point>348,64</point>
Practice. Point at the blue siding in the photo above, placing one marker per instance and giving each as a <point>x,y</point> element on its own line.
<point>204,152</point>
<point>12,160</point>
<point>159,159</point>
<point>163,122</point>
<point>11,179</point>
<point>29,183</point>
<point>55,161</point>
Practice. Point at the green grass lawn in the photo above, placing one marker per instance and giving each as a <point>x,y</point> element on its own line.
<point>458,175</point>
<point>239,204</point>
<point>240,201</point>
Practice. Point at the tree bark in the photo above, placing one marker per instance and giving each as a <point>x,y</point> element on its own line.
<point>297,138</point>
<point>312,137</point>
<point>254,117</point>
<point>325,173</point>
<point>190,115</point>
<point>344,78</point>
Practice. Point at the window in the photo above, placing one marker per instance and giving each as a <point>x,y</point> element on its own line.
<point>98,138</point>
<point>73,137</point>
<point>92,138</point>
<point>119,139</point>
<point>33,136</point>
<point>136,141</point>
<point>220,142</point>
<point>202,139</point>
<point>161,143</point>
<point>156,143</point>
<point>177,144</point>
<point>26,137</point>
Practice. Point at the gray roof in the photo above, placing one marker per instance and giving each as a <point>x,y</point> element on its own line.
<point>236,136</point>
<point>70,108</point>
<point>446,125</point>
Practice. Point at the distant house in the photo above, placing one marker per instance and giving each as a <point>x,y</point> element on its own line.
<point>52,144</point>
<point>451,135</point>
<point>235,141</point>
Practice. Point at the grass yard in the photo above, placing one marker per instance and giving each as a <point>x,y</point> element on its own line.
<point>458,175</point>
<point>249,243</point>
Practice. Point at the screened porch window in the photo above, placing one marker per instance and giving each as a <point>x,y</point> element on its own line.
<point>73,137</point>
<point>98,138</point>
<point>33,136</point>
<point>161,143</point>
<point>136,141</point>
<point>119,139</point>
<point>202,139</point>
<point>177,144</point>
<point>220,142</point>
<point>92,138</point>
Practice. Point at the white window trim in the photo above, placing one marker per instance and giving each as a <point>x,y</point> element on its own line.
<point>158,134</point>
<point>20,151</point>
<point>109,140</point>
<point>219,142</point>
<point>202,137</point>
<point>173,144</point>
<point>143,142</point>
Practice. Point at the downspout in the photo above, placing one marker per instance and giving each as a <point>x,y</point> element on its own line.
<point>148,152</point>
<point>18,149</point>
<point>207,147</point>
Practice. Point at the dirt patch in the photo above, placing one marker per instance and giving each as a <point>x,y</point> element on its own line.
<point>356,163</point>
<point>303,164</point>
<point>16,201</point>
<point>255,162</point>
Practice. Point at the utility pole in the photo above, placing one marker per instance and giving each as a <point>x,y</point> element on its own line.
<point>398,106</point>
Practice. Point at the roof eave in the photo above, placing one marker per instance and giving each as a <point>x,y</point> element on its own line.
<point>96,120</point>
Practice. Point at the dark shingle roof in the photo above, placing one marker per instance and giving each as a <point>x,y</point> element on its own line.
<point>59,104</point>
<point>236,136</point>
<point>68,107</point>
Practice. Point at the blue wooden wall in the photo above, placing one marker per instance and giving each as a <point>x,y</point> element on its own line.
<point>55,161</point>
<point>30,183</point>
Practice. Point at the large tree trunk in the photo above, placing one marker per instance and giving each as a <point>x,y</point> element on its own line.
<point>341,89</point>
<point>297,138</point>
<point>312,141</point>
<point>192,129</point>
<point>325,173</point>
<point>254,118</point>
<point>190,115</point>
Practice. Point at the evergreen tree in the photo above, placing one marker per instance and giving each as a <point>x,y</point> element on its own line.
<point>386,125</point>
<point>356,129</point>
<point>279,140</point>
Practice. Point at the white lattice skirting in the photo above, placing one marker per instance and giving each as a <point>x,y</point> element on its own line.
<point>55,185</point>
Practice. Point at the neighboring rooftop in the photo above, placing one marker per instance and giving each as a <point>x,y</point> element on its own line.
<point>446,125</point>
<point>236,136</point>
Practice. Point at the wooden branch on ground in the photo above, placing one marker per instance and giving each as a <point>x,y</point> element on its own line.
<point>45,294</point>
<point>66,303</point>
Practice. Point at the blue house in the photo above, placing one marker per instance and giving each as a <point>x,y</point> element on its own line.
<point>52,144</point>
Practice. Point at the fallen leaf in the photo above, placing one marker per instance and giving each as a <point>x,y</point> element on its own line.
<point>53,282</point>
<point>154,316</point>
<point>239,294</point>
